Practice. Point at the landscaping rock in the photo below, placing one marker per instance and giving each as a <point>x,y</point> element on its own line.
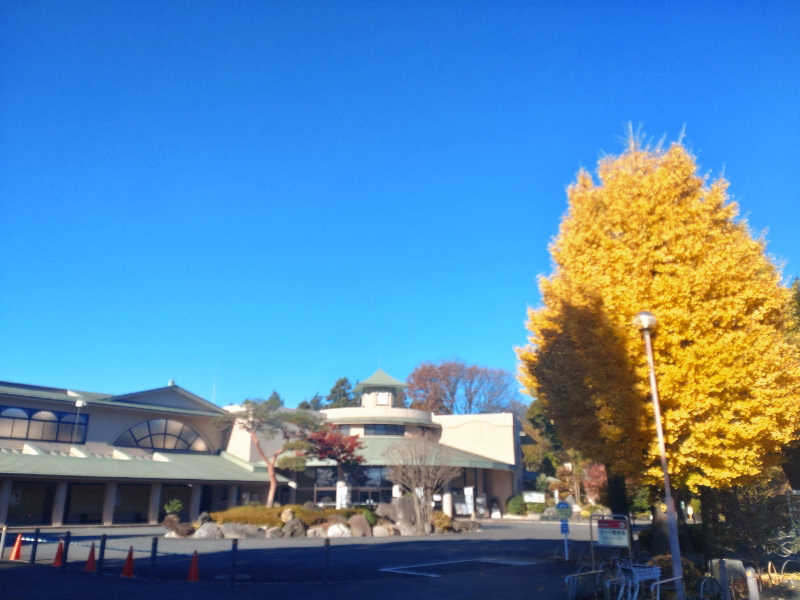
<point>209,531</point>
<point>171,534</point>
<point>387,511</point>
<point>294,528</point>
<point>463,526</point>
<point>339,530</point>
<point>384,531</point>
<point>404,509</point>
<point>184,529</point>
<point>171,522</point>
<point>316,531</point>
<point>406,528</point>
<point>359,526</point>
<point>287,515</point>
<point>309,505</point>
<point>204,517</point>
<point>274,532</point>
<point>239,530</point>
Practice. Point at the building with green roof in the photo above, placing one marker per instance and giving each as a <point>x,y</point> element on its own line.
<point>69,457</point>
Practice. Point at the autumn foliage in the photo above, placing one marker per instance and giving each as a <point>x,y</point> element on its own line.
<point>652,234</point>
<point>330,444</point>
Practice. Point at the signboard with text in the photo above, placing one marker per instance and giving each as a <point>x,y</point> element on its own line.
<point>612,532</point>
<point>533,497</point>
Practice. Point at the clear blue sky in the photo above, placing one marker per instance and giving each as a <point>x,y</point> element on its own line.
<point>272,195</point>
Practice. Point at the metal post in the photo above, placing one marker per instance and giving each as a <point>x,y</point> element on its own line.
<point>153,552</point>
<point>101,555</point>
<point>67,538</point>
<point>672,516</point>
<point>3,541</point>
<point>34,546</point>
<point>752,584</point>
<point>723,580</point>
<point>327,559</point>
<point>234,551</point>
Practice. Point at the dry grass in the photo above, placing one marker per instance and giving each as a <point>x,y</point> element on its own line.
<point>270,517</point>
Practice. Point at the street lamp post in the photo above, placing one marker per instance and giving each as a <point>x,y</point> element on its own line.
<point>646,322</point>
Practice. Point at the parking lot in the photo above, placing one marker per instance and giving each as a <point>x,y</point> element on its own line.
<point>484,562</point>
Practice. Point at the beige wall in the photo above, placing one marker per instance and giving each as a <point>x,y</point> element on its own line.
<point>500,485</point>
<point>491,435</point>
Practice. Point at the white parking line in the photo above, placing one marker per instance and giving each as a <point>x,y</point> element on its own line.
<point>409,569</point>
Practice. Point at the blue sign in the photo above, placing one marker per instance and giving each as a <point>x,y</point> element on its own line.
<point>564,527</point>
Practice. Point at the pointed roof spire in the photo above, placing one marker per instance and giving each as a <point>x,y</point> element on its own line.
<point>380,379</point>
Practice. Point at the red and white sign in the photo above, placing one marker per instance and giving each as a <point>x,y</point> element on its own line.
<point>612,532</point>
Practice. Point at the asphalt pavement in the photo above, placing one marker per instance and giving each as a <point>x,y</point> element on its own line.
<point>507,559</point>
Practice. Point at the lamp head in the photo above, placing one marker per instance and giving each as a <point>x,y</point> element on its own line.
<point>645,321</point>
<point>80,403</point>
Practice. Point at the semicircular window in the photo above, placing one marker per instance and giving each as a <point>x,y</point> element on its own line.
<point>162,434</point>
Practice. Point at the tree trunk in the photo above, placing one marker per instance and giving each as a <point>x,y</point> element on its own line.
<point>617,499</point>
<point>270,462</point>
<point>660,529</point>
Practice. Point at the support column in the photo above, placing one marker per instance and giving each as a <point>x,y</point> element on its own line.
<point>194,502</point>
<point>447,503</point>
<point>59,503</point>
<point>5,500</point>
<point>233,496</point>
<point>155,504</point>
<point>109,502</point>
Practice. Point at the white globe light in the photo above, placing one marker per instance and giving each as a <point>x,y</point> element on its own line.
<point>645,321</point>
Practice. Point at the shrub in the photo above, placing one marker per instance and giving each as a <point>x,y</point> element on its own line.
<point>535,507</point>
<point>173,506</point>
<point>441,522</point>
<point>370,516</point>
<point>515,505</point>
<point>691,574</point>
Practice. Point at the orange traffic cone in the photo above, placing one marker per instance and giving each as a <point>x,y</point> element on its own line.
<point>127,570</point>
<point>59,559</point>
<point>91,566</point>
<point>15,550</point>
<point>193,571</point>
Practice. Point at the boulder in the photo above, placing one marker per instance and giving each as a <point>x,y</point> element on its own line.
<point>359,526</point>
<point>184,529</point>
<point>209,531</point>
<point>384,531</point>
<point>406,528</point>
<point>171,534</point>
<point>463,526</point>
<point>387,511</point>
<point>316,531</point>
<point>171,522</point>
<point>204,517</point>
<point>274,532</point>
<point>404,509</point>
<point>339,530</point>
<point>287,515</point>
<point>309,505</point>
<point>294,528</point>
<point>239,530</point>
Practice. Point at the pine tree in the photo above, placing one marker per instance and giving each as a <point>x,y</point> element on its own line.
<point>654,235</point>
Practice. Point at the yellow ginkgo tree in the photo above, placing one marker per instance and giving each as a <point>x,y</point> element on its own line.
<point>652,234</point>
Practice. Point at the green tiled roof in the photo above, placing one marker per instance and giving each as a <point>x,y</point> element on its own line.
<point>380,378</point>
<point>180,467</point>
<point>376,448</point>
<point>205,408</point>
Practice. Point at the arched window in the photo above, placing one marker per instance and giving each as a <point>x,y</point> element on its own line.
<point>162,434</point>
<point>42,425</point>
